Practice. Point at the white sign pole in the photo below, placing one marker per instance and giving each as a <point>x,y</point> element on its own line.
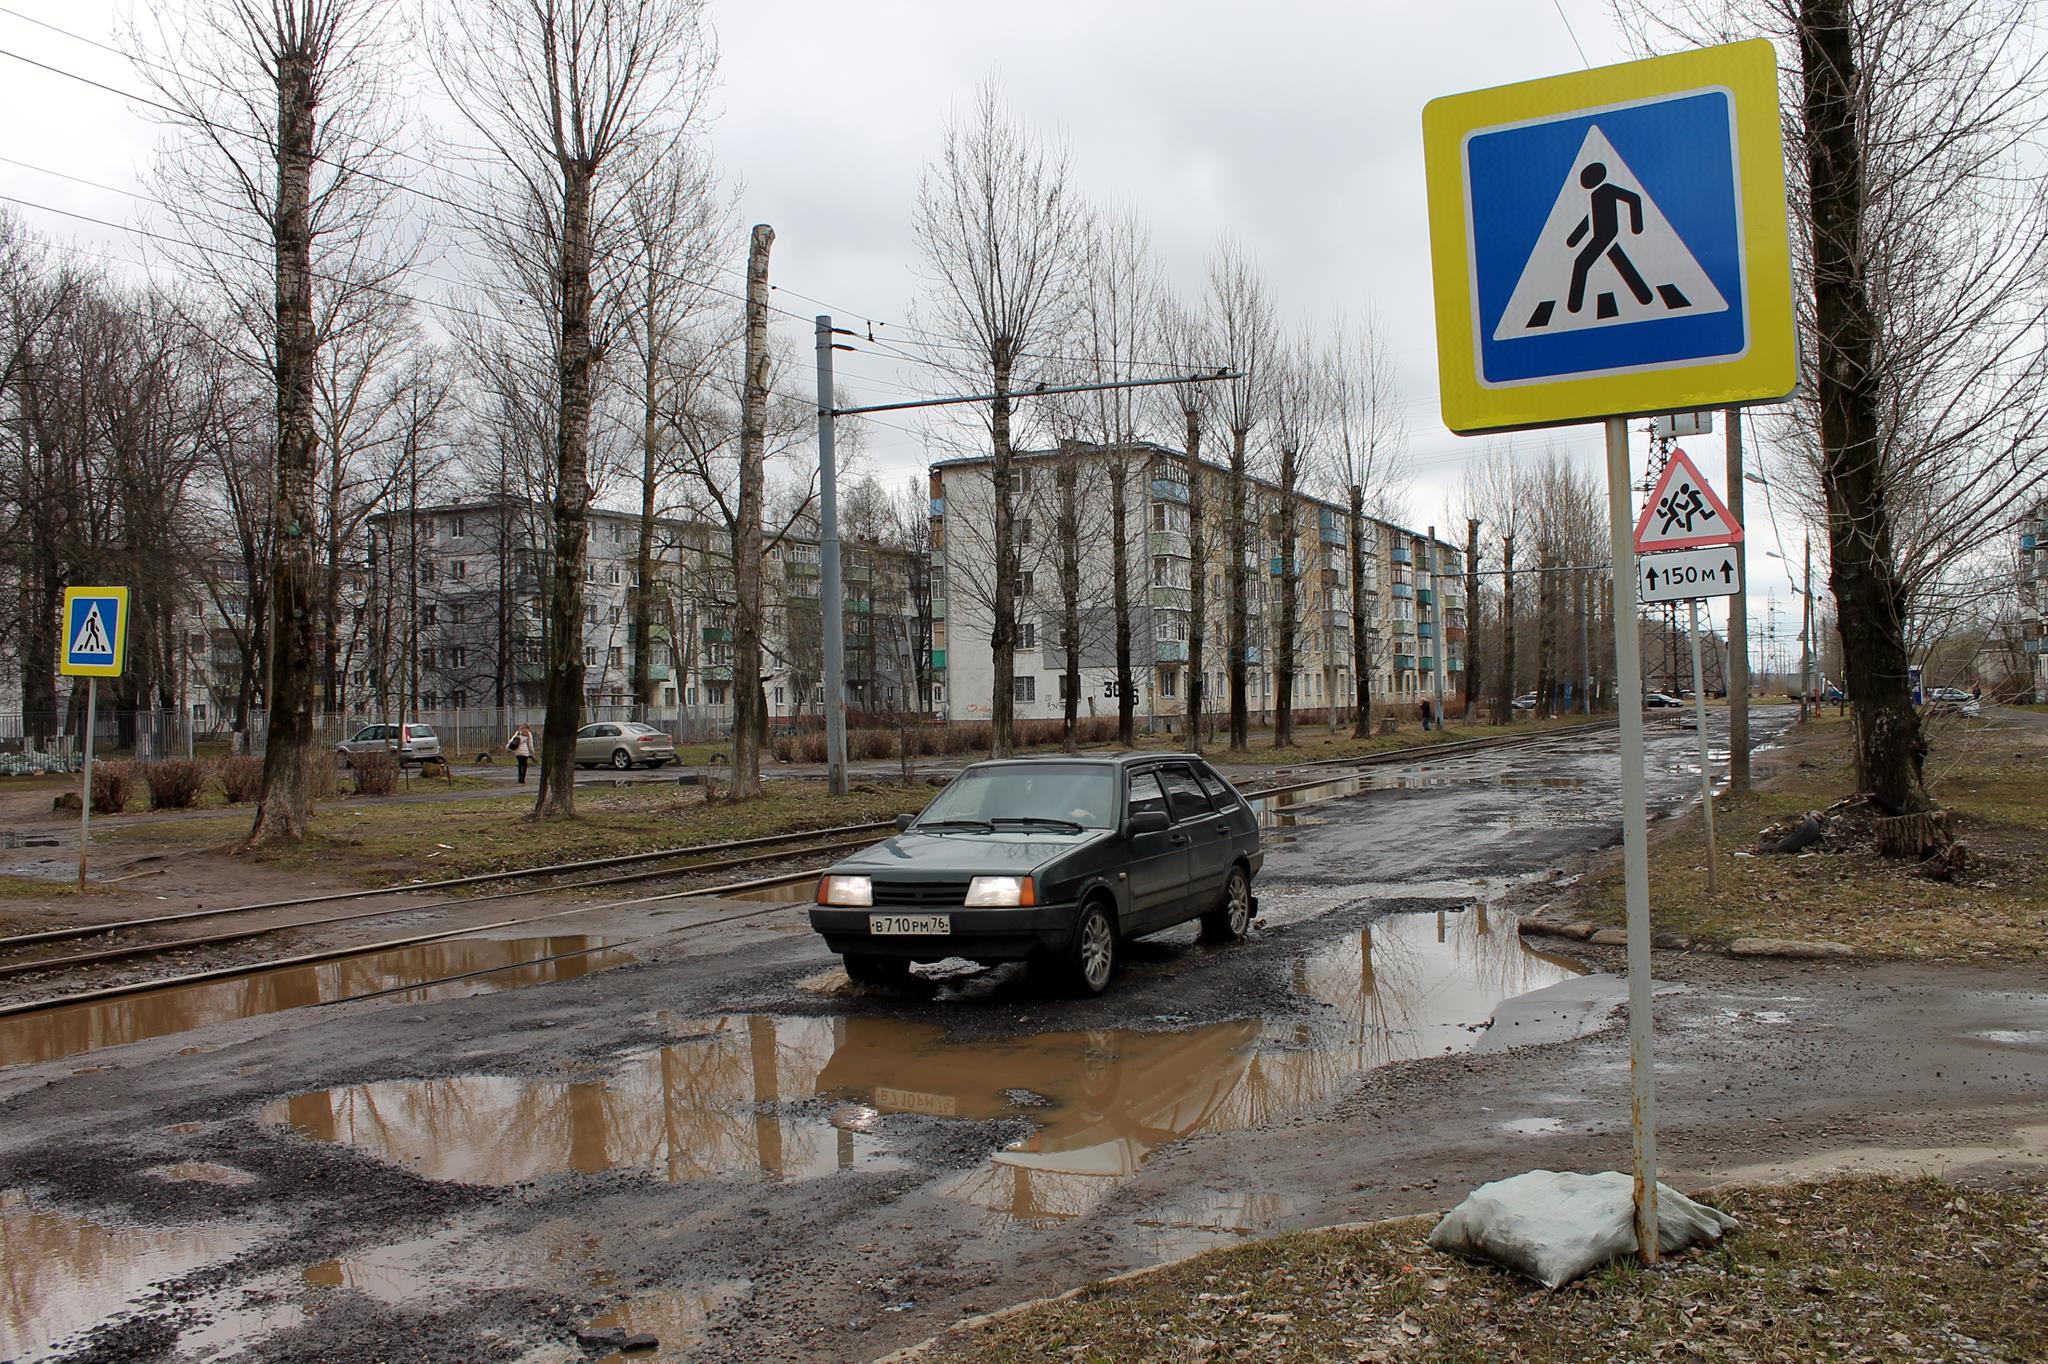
<point>1699,710</point>
<point>92,716</point>
<point>1628,672</point>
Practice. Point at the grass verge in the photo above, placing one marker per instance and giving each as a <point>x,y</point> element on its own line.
<point>1859,1269</point>
<point>382,844</point>
<point>1987,775</point>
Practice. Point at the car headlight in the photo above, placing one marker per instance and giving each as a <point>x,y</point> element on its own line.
<point>999,892</point>
<point>850,891</point>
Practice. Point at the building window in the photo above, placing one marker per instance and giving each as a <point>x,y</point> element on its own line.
<point>590,656</point>
<point>778,696</point>
<point>1023,530</point>
<point>455,526</point>
<point>427,659</point>
<point>1024,583</point>
<point>615,613</point>
<point>613,575</point>
<point>460,658</point>
<point>458,569</point>
<point>1063,686</point>
<point>938,693</point>
<point>458,699</point>
<point>1024,689</point>
<point>1166,677</point>
<point>615,657</point>
<point>590,613</point>
<point>668,696</point>
<point>429,615</point>
<point>1020,481</point>
<point>1027,634</point>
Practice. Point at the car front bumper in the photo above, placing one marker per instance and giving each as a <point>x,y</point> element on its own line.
<point>978,934</point>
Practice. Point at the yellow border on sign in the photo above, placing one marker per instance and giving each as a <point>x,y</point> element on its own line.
<point>1766,371</point>
<point>120,628</point>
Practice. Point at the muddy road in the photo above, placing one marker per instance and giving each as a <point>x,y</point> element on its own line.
<point>690,1126</point>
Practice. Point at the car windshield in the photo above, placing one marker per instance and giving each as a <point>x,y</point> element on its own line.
<point>1058,792</point>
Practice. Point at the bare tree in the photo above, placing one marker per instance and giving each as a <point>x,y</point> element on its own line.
<point>1183,340</point>
<point>281,117</point>
<point>573,99</point>
<point>1914,128</point>
<point>747,712</point>
<point>1242,328</point>
<point>1301,411</point>
<point>1369,442</point>
<point>999,229</point>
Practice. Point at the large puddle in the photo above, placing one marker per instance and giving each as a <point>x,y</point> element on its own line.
<point>460,966</point>
<point>760,1096</point>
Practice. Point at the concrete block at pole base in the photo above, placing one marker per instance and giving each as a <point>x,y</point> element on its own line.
<point>1555,1227</point>
<point>1787,947</point>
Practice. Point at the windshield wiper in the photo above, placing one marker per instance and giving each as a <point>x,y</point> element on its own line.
<point>980,826</point>
<point>1040,821</point>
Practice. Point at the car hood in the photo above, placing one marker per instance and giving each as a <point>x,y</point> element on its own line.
<point>1009,852</point>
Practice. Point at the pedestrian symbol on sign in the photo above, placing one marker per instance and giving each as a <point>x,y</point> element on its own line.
<point>91,640</point>
<point>1681,508</point>
<point>1605,237</point>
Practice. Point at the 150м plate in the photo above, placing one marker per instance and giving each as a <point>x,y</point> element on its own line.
<point>896,925</point>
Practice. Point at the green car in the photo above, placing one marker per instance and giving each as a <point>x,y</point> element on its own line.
<point>1052,861</point>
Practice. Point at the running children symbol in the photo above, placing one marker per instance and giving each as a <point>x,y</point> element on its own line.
<point>1605,257</point>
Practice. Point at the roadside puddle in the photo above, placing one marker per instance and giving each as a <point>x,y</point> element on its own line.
<point>791,1098</point>
<point>66,1273</point>
<point>512,963</point>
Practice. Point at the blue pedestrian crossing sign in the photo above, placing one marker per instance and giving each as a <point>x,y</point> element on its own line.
<point>95,631</point>
<point>1612,242</point>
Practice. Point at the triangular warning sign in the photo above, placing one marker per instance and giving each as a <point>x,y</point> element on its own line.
<point>1684,513</point>
<point>1607,256</point>
<point>91,638</point>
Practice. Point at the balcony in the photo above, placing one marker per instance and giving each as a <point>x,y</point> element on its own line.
<point>1404,662</point>
<point>938,659</point>
<point>938,608</point>
<point>658,672</point>
<point>529,672</point>
<point>1282,565</point>
<point>1253,654</point>
<point>1169,599</point>
<point>1404,592</point>
<point>1173,651</point>
<point>1454,633</point>
<point>1169,490</point>
<point>1453,601</point>
<point>1172,543</point>
<point>716,672</point>
<point>2027,542</point>
<point>1426,630</point>
<point>1331,534</point>
<point>1403,628</point>
<point>714,635</point>
<point>938,506</point>
<point>1399,555</point>
<point>857,573</point>
<point>1424,596</point>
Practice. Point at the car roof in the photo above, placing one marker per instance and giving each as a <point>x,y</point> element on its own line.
<point>1091,759</point>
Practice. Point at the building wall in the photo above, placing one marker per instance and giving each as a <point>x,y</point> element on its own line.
<point>1404,610</point>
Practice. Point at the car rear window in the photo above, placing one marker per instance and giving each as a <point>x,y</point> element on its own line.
<point>422,731</point>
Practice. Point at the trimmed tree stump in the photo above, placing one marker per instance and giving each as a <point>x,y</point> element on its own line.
<point>1917,836</point>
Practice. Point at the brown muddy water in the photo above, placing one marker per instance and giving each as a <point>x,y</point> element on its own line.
<point>732,1096</point>
<point>512,963</point>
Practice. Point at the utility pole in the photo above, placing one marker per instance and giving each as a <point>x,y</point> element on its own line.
<point>1586,589</point>
<point>830,594</point>
<point>1738,622</point>
<point>1436,635</point>
<point>1806,632</point>
<point>1472,654</point>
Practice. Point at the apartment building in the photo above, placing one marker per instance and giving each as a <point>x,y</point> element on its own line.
<point>1415,607</point>
<point>2033,596</point>
<point>456,616</point>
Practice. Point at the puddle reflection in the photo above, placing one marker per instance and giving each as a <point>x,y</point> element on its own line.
<point>723,1101</point>
<point>65,1273</point>
<point>79,1028</point>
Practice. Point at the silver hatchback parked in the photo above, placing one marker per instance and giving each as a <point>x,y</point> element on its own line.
<point>624,744</point>
<point>410,744</point>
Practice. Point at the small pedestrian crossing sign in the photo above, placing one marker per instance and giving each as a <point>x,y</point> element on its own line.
<point>1612,242</point>
<point>95,631</point>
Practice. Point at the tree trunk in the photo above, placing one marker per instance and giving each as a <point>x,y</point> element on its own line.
<point>1546,630</point>
<point>1361,641</point>
<point>1120,597</point>
<point>575,365</point>
<point>1198,582</point>
<point>1069,532</point>
<point>1472,651</point>
<point>1862,563</point>
<point>1002,635</point>
<point>1506,714</point>
<point>748,714</point>
<point>643,552</point>
<point>1290,574</point>
<point>1240,719</point>
<point>286,795</point>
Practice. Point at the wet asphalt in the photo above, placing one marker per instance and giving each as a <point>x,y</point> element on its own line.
<point>709,1136</point>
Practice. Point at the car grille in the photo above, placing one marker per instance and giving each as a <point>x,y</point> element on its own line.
<point>952,893</point>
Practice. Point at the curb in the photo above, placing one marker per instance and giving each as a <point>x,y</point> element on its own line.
<point>1784,949</point>
<point>968,1325</point>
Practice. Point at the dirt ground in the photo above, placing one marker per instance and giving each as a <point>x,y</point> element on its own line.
<point>691,1125</point>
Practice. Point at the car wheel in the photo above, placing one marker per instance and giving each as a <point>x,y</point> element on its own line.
<point>1090,959</point>
<point>868,970</point>
<point>1231,920</point>
<point>622,761</point>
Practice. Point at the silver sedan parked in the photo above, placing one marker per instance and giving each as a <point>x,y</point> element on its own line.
<point>624,744</point>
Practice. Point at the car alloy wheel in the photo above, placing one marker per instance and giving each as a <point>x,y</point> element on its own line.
<point>622,760</point>
<point>1097,950</point>
<point>1231,920</point>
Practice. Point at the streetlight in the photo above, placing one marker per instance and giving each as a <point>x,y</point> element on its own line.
<point>1805,591</point>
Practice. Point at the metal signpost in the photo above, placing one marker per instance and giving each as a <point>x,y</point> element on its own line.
<point>1610,244</point>
<point>95,624</point>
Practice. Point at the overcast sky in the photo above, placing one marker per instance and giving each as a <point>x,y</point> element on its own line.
<point>1293,126</point>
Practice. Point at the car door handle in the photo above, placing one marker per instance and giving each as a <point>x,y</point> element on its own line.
<point>1180,838</point>
<point>1222,828</point>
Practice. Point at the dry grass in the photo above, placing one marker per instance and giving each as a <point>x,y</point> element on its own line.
<point>381,843</point>
<point>1861,1269</point>
<point>1988,776</point>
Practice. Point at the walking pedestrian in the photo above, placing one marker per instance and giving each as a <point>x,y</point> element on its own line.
<point>520,746</point>
<point>1427,713</point>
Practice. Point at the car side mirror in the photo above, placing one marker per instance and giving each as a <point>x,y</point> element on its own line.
<point>1148,822</point>
<point>903,823</point>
